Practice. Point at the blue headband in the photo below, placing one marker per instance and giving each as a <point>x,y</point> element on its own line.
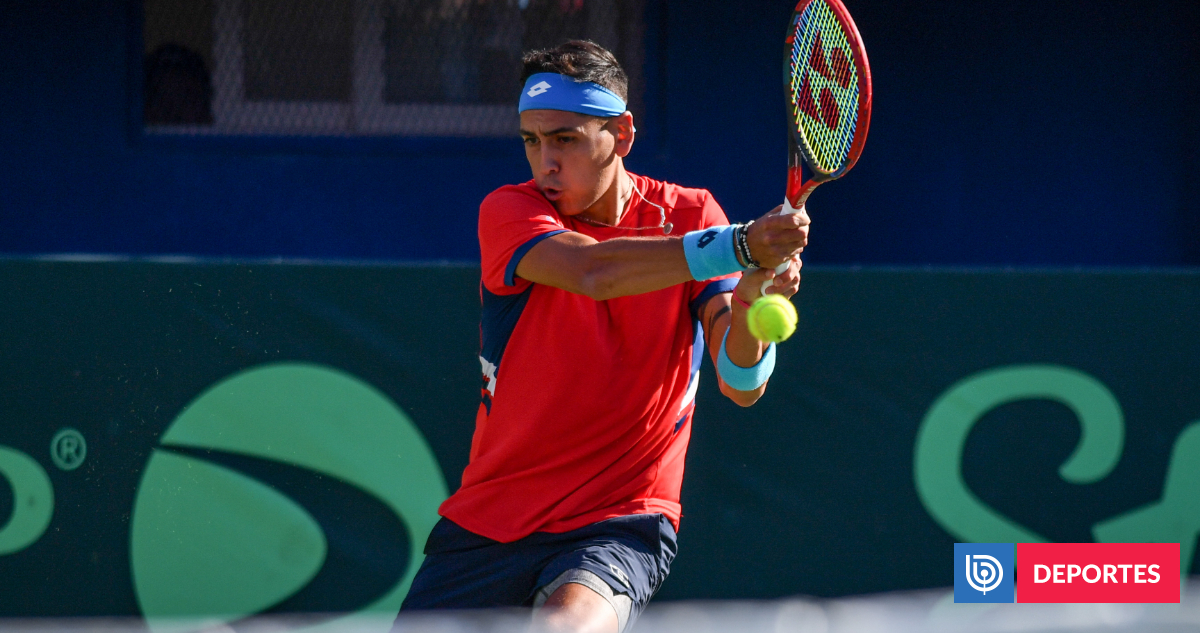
<point>551,91</point>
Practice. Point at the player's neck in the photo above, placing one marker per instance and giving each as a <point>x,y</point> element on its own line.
<point>611,207</point>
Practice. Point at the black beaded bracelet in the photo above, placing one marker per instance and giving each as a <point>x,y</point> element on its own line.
<point>744,245</point>
<point>737,247</point>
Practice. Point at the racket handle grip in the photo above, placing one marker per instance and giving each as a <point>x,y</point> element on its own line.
<point>780,269</point>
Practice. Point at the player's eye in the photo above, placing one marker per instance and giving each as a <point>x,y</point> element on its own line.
<point>530,140</point>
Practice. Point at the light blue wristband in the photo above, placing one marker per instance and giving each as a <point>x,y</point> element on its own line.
<point>710,252</point>
<point>745,378</point>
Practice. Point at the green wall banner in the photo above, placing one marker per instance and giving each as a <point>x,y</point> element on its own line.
<point>221,440</point>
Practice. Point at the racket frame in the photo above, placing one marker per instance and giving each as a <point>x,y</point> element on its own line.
<point>803,178</point>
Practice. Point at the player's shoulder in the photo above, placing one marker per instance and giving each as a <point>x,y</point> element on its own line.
<point>671,194</point>
<point>690,208</point>
<point>523,195</point>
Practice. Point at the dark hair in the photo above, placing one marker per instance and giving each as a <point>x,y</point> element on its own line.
<point>583,60</point>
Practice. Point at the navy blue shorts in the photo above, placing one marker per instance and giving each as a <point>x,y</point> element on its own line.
<point>463,570</point>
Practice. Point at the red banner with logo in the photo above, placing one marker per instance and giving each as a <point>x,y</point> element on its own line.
<point>1097,572</point>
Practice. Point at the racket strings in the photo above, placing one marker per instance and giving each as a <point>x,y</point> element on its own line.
<point>824,87</point>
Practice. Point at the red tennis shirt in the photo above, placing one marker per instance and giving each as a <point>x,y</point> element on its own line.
<point>586,405</point>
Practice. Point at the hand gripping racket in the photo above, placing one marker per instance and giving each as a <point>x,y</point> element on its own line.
<point>827,84</point>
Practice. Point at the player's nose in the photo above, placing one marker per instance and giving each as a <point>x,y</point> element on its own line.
<point>548,162</point>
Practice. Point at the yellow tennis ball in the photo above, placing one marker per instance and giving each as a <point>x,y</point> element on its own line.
<point>771,318</point>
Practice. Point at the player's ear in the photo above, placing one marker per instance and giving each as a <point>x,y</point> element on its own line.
<point>624,131</point>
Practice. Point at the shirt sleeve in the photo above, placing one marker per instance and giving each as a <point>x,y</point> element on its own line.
<point>699,292</point>
<point>511,223</point>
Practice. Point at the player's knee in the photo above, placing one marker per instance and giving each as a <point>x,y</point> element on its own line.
<point>574,608</point>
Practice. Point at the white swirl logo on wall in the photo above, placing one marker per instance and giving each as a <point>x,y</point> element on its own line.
<point>210,541</point>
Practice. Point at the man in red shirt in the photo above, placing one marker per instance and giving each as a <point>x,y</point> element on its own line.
<point>600,290</point>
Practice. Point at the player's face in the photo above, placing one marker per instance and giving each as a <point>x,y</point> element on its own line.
<point>574,157</point>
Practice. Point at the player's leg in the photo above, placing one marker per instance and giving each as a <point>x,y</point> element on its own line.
<point>576,603</point>
<point>620,561</point>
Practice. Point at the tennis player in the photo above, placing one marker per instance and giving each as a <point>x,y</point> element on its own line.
<point>600,290</point>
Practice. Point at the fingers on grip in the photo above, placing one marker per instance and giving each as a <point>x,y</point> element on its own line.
<point>783,243</point>
<point>785,278</point>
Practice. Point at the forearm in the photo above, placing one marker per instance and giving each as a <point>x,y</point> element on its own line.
<point>626,266</point>
<point>745,351</point>
<point>629,266</point>
<point>725,320</point>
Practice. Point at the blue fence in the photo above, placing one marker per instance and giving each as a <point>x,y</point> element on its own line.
<point>1024,133</point>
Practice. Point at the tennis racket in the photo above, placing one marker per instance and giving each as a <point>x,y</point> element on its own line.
<point>827,84</point>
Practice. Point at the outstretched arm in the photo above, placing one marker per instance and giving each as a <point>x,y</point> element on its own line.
<point>604,270</point>
<point>633,265</point>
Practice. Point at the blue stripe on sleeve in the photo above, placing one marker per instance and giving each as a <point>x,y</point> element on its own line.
<point>713,289</point>
<point>510,271</point>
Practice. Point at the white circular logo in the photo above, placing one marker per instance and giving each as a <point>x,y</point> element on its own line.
<point>984,573</point>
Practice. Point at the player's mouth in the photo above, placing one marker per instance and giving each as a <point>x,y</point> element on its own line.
<point>551,193</point>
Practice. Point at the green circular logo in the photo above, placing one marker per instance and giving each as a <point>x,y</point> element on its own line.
<point>209,541</point>
<point>33,500</point>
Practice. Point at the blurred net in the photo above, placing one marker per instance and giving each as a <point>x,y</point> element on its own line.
<point>362,67</point>
<point>909,612</point>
